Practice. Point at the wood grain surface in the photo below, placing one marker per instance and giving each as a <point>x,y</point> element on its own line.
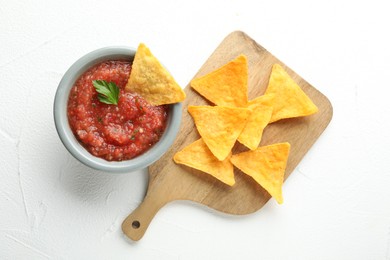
<point>169,181</point>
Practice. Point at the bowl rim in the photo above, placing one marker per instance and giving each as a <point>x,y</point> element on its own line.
<point>72,144</point>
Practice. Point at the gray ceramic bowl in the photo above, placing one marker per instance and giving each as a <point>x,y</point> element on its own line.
<point>70,141</point>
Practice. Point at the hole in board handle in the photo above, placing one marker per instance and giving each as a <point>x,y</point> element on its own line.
<point>135,224</point>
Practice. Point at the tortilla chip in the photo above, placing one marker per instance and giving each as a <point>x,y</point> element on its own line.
<point>266,165</point>
<point>261,111</point>
<point>290,100</point>
<point>226,86</point>
<point>219,126</point>
<point>152,81</point>
<point>198,156</point>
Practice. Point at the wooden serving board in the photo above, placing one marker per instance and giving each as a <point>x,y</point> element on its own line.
<point>169,181</point>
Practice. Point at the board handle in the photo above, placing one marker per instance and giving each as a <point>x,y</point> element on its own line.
<point>136,224</point>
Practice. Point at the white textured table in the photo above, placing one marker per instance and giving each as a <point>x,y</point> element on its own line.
<point>337,202</point>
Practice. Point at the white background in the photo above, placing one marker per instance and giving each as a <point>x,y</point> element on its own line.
<point>337,201</point>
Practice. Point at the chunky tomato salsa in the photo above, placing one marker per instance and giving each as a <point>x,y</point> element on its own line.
<point>113,132</point>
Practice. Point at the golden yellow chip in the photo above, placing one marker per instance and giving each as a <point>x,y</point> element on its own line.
<point>290,100</point>
<point>261,111</point>
<point>227,85</point>
<point>266,165</point>
<point>198,156</point>
<point>152,81</point>
<point>219,126</point>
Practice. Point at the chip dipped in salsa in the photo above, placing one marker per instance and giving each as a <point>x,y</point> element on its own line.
<point>114,132</point>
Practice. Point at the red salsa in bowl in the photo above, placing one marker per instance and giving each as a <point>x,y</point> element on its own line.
<point>113,132</point>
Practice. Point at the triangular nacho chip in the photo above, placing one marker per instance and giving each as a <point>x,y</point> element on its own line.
<point>152,81</point>
<point>198,156</point>
<point>219,126</point>
<point>227,85</point>
<point>290,100</point>
<point>261,111</point>
<point>266,165</point>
